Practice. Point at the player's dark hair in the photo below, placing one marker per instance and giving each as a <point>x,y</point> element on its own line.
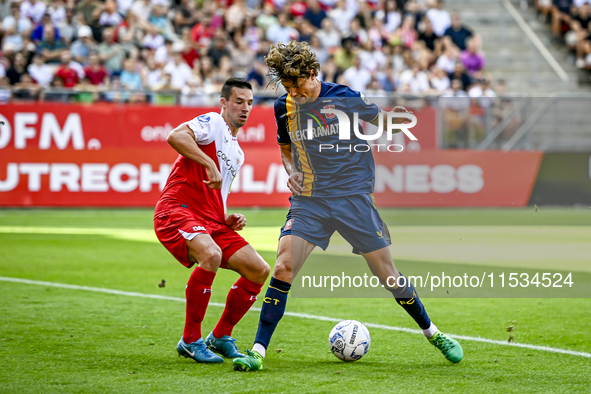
<point>291,61</point>
<point>234,82</point>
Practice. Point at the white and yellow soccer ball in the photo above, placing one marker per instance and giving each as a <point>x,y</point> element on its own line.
<point>349,340</point>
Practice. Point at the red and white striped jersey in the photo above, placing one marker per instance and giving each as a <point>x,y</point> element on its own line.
<point>185,185</point>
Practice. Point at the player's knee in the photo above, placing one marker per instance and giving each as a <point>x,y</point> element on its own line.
<point>282,269</point>
<point>210,258</point>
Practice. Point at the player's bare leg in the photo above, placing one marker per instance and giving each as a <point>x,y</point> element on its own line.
<point>253,271</point>
<point>291,255</point>
<point>381,265</point>
<point>203,251</point>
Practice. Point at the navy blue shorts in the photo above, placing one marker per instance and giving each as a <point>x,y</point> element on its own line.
<point>354,217</point>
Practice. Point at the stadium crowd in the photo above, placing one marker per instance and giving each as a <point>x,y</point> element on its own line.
<point>570,21</point>
<point>181,51</point>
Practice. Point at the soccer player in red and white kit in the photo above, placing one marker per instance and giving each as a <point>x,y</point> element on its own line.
<point>191,222</point>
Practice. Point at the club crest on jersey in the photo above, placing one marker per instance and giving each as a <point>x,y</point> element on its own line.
<point>329,116</point>
<point>204,118</point>
<point>288,224</point>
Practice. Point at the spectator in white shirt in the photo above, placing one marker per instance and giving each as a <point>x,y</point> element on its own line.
<point>15,26</point>
<point>440,19</point>
<point>110,16</point>
<point>33,9</point>
<point>179,70</point>
<point>281,31</point>
<point>414,80</point>
<point>341,15</point>
<point>356,76</point>
<point>439,80</point>
<point>41,72</point>
<point>390,15</point>
<point>371,58</point>
<point>153,39</point>
<point>329,36</point>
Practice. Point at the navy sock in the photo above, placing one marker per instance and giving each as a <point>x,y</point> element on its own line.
<point>272,310</point>
<point>407,298</point>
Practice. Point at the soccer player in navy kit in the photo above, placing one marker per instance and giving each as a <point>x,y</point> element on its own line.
<point>332,191</point>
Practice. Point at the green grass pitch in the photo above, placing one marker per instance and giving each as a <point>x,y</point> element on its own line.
<point>73,340</point>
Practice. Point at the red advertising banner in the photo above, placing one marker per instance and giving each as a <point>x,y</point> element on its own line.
<point>456,178</point>
<point>110,155</point>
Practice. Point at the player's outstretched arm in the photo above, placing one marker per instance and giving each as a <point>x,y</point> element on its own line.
<point>182,139</point>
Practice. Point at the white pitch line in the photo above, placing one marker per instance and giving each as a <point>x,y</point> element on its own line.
<point>293,314</point>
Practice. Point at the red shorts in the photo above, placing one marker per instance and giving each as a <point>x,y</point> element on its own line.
<point>175,228</point>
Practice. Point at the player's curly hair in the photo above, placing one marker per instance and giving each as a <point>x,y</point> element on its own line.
<point>291,61</point>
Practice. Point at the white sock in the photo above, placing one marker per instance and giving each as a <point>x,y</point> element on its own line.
<point>429,332</point>
<point>260,349</point>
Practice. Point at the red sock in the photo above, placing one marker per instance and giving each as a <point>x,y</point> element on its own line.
<point>198,293</point>
<point>240,298</point>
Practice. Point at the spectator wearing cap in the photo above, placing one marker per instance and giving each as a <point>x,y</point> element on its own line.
<point>82,47</point>
<point>177,68</point>
<point>111,53</point>
<point>16,26</point>
<point>33,9</point>
<point>96,73</point>
<point>439,18</point>
<point>50,47</point>
<point>41,72</point>
<point>458,33</point>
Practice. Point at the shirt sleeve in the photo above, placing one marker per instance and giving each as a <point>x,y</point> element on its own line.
<point>203,127</point>
<point>367,111</point>
<point>282,121</point>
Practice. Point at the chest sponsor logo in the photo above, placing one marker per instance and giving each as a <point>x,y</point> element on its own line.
<point>199,228</point>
